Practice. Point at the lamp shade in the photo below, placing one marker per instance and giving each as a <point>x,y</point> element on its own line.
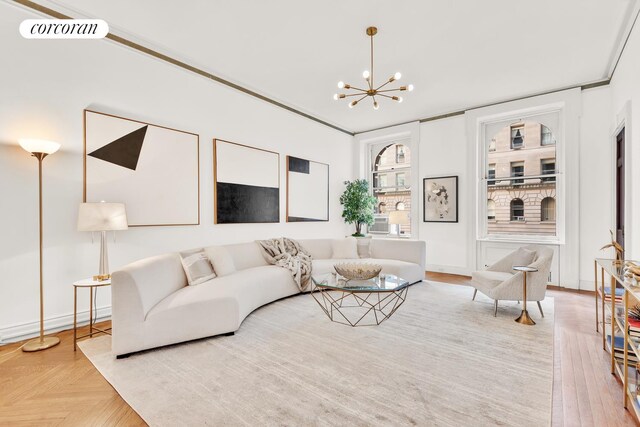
<point>399,218</point>
<point>102,217</point>
<point>39,145</point>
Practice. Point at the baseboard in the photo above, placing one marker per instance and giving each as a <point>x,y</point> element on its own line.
<point>587,285</point>
<point>449,269</point>
<point>52,325</point>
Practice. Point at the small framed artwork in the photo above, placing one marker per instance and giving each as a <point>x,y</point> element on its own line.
<point>307,190</point>
<point>441,199</point>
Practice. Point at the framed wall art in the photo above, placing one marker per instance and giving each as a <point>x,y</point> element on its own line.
<point>154,170</point>
<point>246,183</point>
<point>307,190</point>
<point>440,199</point>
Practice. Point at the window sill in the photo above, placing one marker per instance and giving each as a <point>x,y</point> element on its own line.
<point>549,240</point>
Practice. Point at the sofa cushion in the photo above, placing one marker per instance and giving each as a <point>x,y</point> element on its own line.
<point>346,248</point>
<point>221,260</point>
<point>317,248</point>
<point>197,266</point>
<point>324,266</point>
<point>489,279</point>
<point>239,293</point>
<point>246,255</point>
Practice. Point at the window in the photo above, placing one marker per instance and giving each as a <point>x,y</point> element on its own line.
<point>517,137</point>
<point>491,175</point>
<point>400,157</point>
<point>517,210</point>
<point>546,137</point>
<point>548,209</point>
<point>513,177</point>
<point>391,177</point>
<point>548,167</point>
<point>491,209</point>
<point>517,169</point>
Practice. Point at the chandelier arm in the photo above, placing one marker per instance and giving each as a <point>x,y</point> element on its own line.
<point>362,98</point>
<point>357,88</point>
<point>386,96</point>
<point>354,94</point>
<point>383,85</point>
<point>389,90</point>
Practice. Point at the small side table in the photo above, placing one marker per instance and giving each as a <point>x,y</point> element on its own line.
<point>91,284</point>
<point>524,316</point>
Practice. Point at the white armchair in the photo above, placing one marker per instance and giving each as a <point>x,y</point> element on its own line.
<point>500,283</point>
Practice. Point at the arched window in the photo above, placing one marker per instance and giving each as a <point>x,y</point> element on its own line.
<point>517,210</point>
<point>491,209</point>
<point>391,178</point>
<point>548,209</point>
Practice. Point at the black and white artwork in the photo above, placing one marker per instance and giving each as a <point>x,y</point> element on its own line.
<point>307,190</point>
<point>441,199</point>
<point>246,182</point>
<point>153,170</point>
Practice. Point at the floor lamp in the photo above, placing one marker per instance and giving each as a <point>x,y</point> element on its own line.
<point>40,149</point>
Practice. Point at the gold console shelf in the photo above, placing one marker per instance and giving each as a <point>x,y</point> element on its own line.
<point>616,305</point>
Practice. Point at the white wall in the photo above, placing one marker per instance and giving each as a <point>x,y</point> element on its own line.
<point>443,152</point>
<point>596,185</point>
<point>625,108</point>
<point>44,87</point>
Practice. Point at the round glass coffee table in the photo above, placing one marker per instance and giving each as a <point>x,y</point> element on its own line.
<point>359,302</point>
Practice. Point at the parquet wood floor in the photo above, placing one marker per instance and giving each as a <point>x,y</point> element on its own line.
<point>59,387</point>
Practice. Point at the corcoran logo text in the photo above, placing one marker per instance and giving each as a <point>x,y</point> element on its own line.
<point>64,29</point>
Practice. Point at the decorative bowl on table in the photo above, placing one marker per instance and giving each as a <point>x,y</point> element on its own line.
<point>358,270</point>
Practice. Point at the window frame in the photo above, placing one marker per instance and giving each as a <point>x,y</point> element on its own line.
<point>552,116</point>
<point>511,137</point>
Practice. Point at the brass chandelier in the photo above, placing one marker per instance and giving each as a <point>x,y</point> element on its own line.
<point>372,90</point>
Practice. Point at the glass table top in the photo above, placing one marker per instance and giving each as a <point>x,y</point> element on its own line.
<point>382,283</point>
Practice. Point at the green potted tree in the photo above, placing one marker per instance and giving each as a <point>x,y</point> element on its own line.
<point>358,205</point>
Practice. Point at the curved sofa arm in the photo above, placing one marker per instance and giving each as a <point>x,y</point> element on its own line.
<point>135,289</point>
<point>414,251</point>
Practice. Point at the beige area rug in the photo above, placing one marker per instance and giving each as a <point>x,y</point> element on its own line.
<point>440,360</point>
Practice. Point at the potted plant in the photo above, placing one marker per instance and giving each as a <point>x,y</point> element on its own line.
<point>358,205</point>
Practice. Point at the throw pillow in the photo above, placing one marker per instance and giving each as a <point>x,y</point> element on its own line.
<point>197,266</point>
<point>346,248</point>
<point>523,257</point>
<point>221,260</point>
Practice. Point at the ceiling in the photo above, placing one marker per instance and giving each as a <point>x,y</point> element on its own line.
<point>458,54</point>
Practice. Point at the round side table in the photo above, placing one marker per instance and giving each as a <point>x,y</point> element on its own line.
<point>92,285</point>
<point>524,318</point>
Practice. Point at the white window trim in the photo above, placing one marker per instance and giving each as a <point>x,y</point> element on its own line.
<point>362,166</point>
<point>528,114</point>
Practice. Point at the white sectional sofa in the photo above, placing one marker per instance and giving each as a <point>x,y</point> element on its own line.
<point>153,306</point>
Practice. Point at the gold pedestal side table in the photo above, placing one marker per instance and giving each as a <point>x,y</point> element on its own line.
<point>524,318</point>
<point>92,285</point>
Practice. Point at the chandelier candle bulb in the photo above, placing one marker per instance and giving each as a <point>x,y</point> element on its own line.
<point>371,89</point>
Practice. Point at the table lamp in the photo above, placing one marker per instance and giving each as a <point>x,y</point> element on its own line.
<point>102,217</point>
<point>399,218</point>
<point>40,149</point>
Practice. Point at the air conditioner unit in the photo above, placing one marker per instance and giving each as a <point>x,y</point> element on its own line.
<point>380,226</point>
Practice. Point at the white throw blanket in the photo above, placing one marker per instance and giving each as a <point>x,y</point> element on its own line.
<point>287,253</point>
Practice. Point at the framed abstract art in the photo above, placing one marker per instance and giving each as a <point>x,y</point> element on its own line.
<point>307,190</point>
<point>154,170</point>
<point>440,199</point>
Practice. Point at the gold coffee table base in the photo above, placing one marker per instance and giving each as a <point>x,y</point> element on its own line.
<point>525,319</point>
